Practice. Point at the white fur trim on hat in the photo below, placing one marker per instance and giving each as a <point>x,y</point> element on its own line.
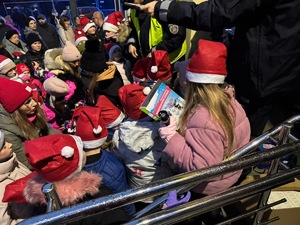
<point>94,143</point>
<point>154,69</point>
<point>78,40</point>
<point>67,152</point>
<point>5,62</point>
<point>79,145</point>
<point>98,130</point>
<point>117,121</point>
<point>110,27</point>
<point>88,26</point>
<point>146,90</point>
<point>205,78</point>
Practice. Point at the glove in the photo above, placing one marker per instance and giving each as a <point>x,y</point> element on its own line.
<point>167,132</point>
<point>173,200</point>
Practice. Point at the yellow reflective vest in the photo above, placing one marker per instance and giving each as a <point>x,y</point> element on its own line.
<point>156,35</point>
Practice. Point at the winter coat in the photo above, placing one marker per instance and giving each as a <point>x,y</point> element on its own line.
<point>108,84</point>
<point>31,56</point>
<point>140,147</point>
<point>204,143</point>
<point>81,187</point>
<point>28,30</point>
<point>125,70</point>
<point>12,213</point>
<point>14,135</point>
<point>264,56</point>
<point>50,63</point>
<point>49,34</point>
<point>65,35</point>
<point>11,48</point>
<point>3,29</point>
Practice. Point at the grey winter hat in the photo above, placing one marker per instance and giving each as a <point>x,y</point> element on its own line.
<point>1,139</point>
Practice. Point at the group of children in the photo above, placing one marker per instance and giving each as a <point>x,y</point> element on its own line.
<point>74,119</point>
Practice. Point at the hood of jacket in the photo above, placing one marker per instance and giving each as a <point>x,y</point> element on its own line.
<point>50,56</point>
<point>69,191</point>
<point>138,136</point>
<point>7,123</point>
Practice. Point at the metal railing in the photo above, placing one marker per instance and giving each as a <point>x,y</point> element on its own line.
<point>237,162</point>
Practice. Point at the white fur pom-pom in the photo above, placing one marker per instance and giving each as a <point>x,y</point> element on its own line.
<point>98,130</point>
<point>67,152</point>
<point>70,131</point>
<point>154,69</point>
<point>146,90</point>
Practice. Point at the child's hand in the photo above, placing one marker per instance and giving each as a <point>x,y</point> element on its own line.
<point>167,132</point>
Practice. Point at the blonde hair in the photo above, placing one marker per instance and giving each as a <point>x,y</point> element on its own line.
<point>217,102</point>
<point>31,130</point>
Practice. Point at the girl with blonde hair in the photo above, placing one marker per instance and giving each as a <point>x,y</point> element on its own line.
<point>213,125</point>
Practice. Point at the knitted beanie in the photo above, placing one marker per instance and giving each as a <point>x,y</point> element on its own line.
<point>31,38</point>
<point>70,52</point>
<point>10,33</point>
<point>21,68</point>
<point>6,64</point>
<point>13,94</point>
<point>56,87</point>
<point>93,58</point>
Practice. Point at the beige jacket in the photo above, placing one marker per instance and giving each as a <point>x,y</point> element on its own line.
<point>10,171</point>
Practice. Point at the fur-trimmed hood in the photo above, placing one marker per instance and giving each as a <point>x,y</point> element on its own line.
<point>49,60</point>
<point>69,191</point>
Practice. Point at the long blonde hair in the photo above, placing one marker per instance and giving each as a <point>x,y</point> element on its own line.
<point>31,130</point>
<point>66,66</point>
<point>217,102</point>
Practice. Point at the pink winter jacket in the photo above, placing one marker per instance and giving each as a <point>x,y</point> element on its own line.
<point>204,144</point>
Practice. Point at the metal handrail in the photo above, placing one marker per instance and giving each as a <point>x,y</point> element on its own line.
<point>206,204</point>
<point>103,204</point>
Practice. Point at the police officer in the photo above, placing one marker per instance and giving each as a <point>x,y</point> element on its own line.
<point>149,35</point>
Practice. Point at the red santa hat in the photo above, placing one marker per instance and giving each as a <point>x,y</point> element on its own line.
<point>21,68</point>
<point>208,63</point>
<point>113,21</point>
<point>86,24</point>
<point>89,126</point>
<point>140,68</point>
<point>132,97</point>
<point>61,159</point>
<point>111,115</point>
<point>159,67</point>
<point>6,64</point>
<point>13,94</point>
<point>79,36</point>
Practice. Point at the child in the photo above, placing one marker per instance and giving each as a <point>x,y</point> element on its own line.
<point>137,141</point>
<point>123,65</point>
<point>61,163</point>
<point>21,117</point>
<point>10,170</point>
<point>213,124</point>
<point>112,117</point>
<point>92,130</point>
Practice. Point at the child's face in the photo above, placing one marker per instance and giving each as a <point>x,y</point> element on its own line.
<point>29,106</point>
<point>117,55</point>
<point>6,151</point>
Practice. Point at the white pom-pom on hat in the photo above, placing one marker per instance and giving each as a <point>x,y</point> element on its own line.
<point>98,130</point>
<point>146,90</point>
<point>67,152</point>
<point>154,69</point>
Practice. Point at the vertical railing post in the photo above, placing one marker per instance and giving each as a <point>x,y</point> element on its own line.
<point>53,201</point>
<point>283,138</point>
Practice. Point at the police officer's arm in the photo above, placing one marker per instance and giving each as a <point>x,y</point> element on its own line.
<point>174,40</point>
<point>208,15</point>
<point>132,44</point>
